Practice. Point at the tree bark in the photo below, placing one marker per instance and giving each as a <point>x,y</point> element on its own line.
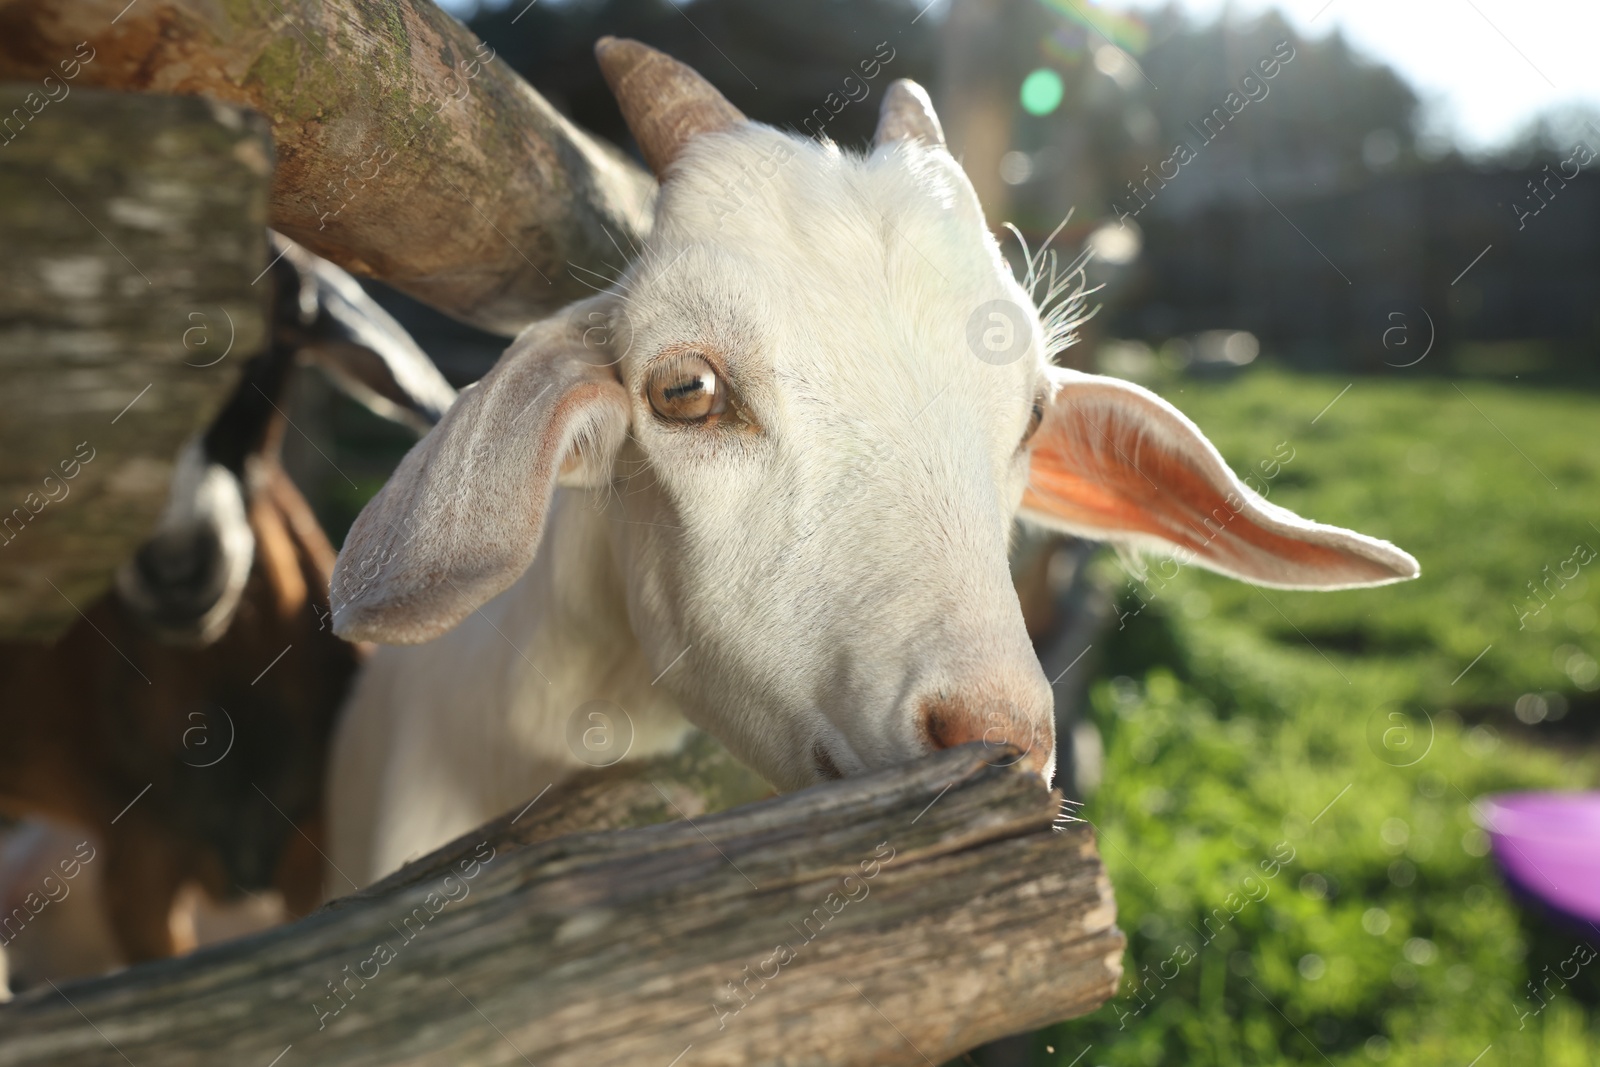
<point>405,151</point>
<point>132,228</point>
<point>898,917</point>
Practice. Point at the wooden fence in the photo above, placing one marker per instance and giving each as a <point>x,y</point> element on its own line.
<point>894,918</point>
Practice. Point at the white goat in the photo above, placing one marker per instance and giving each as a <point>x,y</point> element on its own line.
<point>807,455</point>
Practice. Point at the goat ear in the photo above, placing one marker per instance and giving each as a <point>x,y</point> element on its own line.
<point>355,341</point>
<point>1114,462</point>
<point>461,517</point>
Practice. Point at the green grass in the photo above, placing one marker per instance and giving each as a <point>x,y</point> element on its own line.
<point>1247,727</point>
<point>1255,763</point>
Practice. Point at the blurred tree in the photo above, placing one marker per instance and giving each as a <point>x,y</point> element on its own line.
<point>1326,121</point>
<point>1330,119</point>
<point>1384,220</point>
<point>977,90</point>
<point>1552,135</point>
<point>778,63</point>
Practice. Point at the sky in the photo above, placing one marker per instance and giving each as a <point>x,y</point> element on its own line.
<point>1483,68</point>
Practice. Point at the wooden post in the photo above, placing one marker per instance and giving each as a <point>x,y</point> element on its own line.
<point>132,227</point>
<point>894,918</point>
<point>406,151</point>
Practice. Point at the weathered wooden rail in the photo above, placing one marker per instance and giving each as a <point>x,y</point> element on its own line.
<point>898,917</point>
<point>406,151</point>
<point>131,229</point>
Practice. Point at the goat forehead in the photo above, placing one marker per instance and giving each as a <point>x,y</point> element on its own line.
<point>865,273</point>
<point>826,215</point>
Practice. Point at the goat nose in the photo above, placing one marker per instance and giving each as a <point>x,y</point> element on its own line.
<point>172,561</point>
<point>948,722</point>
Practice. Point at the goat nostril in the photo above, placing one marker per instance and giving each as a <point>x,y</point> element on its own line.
<point>948,725</point>
<point>943,728</point>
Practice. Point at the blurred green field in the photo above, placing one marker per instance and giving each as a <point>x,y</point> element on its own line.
<point>1248,727</point>
<point>1286,809</point>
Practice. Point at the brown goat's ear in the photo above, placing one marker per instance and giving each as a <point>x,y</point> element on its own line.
<point>460,519</point>
<point>1114,462</point>
<point>359,345</point>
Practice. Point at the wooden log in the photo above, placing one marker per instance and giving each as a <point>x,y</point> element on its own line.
<point>895,918</point>
<point>406,151</point>
<point>699,778</point>
<point>132,228</point>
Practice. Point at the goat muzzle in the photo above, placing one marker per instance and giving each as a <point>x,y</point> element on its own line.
<point>1008,735</point>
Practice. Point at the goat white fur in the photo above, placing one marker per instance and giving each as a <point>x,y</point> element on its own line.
<point>817,576</point>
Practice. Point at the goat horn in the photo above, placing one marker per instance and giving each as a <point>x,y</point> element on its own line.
<point>666,104</point>
<point>906,114</point>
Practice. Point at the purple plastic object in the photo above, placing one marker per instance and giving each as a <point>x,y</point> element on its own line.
<point>1548,845</point>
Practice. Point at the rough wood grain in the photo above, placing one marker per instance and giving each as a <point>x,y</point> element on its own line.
<point>132,227</point>
<point>895,918</point>
<point>406,151</point>
<point>699,778</point>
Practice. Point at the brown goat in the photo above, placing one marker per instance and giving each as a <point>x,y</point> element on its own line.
<point>115,731</point>
<point>184,721</point>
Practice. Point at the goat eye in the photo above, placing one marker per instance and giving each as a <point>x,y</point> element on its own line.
<point>1035,420</point>
<point>685,388</point>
